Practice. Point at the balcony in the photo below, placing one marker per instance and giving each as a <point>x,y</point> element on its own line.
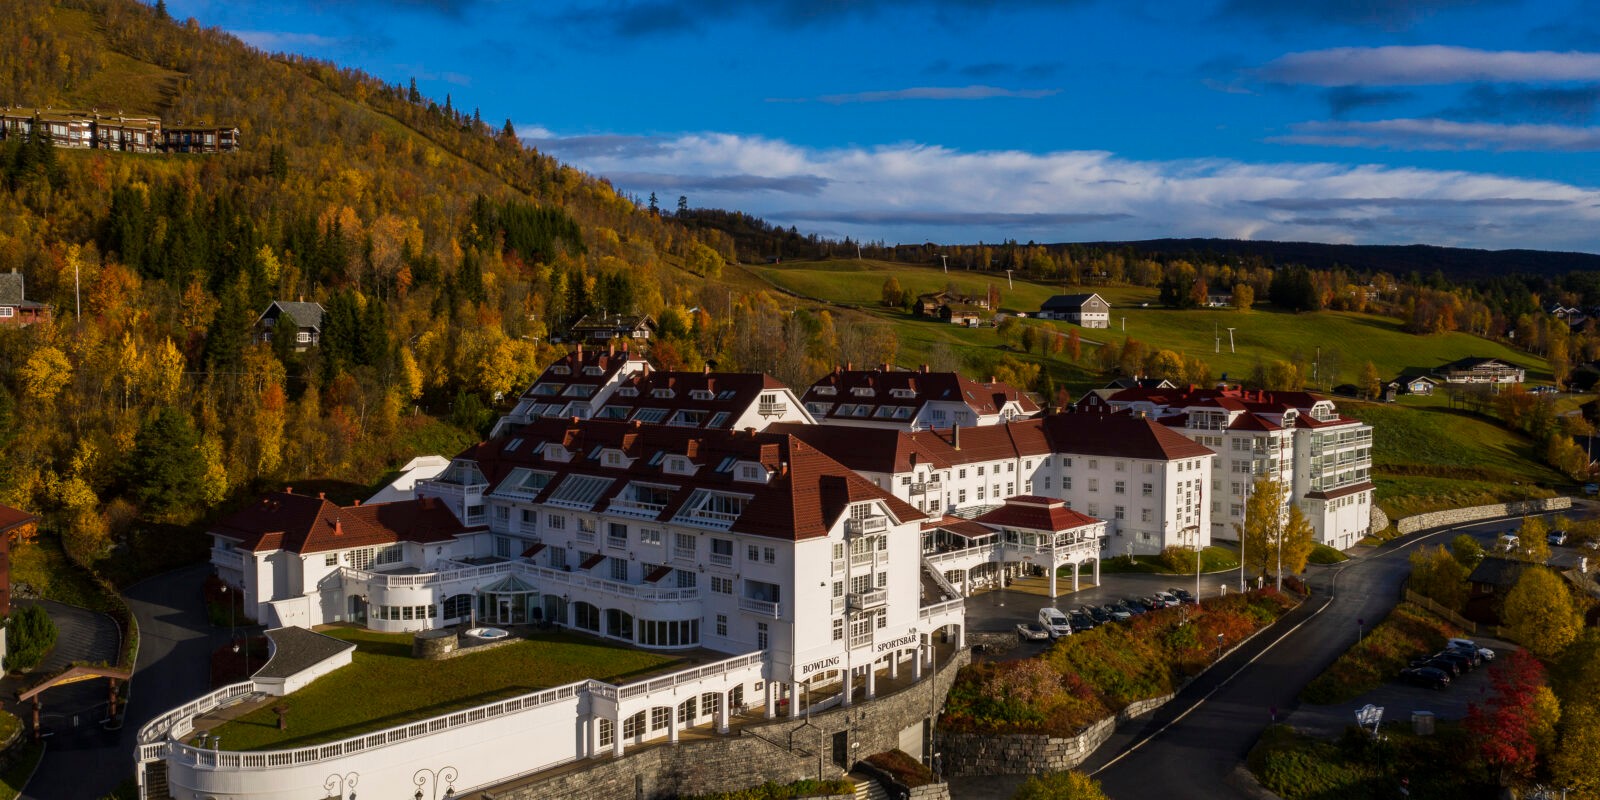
<point>229,559</point>
<point>861,526</point>
<point>773,409</point>
<point>864,601</point>
<point>926,487</point>
<point>634,508</point>
<point>765,608</point>
<point>721,559</point>
<point>869,558</point>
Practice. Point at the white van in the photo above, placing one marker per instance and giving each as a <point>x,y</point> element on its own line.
<point>1055,622</point>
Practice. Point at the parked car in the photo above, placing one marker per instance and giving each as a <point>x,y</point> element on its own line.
<point>1054,622</point>
<point>1425,676</point>
<point>1470,646</point>
<point>1182,595</point>
<point>1135,606</point>
<point>1557,537</point>
<point>1117,612</point>
<point>1097,613</point>
<point>1591,488</point>
<point>1507,542</point>
<point>1032,631</point>
<point>1167,599</point>
<point>1468,659</point>
<point>1081,621</point>
<point>1450,666</point>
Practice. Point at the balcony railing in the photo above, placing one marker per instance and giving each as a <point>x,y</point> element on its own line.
<point>233,559</point>
<point>861,526</point>
<point>926,487</point>
<point>765,608</point>
<point>772,409</point>
<point>869,558</point>
<point>862,601</point>
<point>721,559</point>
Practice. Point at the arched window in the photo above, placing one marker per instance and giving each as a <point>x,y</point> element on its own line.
<point>586,616</point>
<point>619,623</point>
<point>458,606</point>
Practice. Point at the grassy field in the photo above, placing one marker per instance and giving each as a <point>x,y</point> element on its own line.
<point>1431,457</point>
<point>123,84</point>
<point>1261,335</point>
<point>395,688</point>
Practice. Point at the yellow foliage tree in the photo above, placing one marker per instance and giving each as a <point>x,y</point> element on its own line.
<point>1275,540</point>
<point>1539,613</point>
<point>46,372</point>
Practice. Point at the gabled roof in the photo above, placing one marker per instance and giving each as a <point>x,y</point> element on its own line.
<point>574,366</point>
<point>804,494</point>
<point>878,389</point>
<point>1067,302</point>
<point>10,288</point>
<point>1119,436</point>
<point>613,322</point>
<point>305,315</point>
<point>304,524</point>
<point>1475,362</point>
<point>1036,514</point>
<point>14,518</point>
<point>709,392</point>
<point>1500,572</point>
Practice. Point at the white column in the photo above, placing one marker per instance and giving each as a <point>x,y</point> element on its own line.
<point>1097,570</point>
<point>616,737</point>
<point>1052,569</point>
<point>722,714</point>
<point>916,663</point>
<point>1075,576</point>
<point>872,680</point>
<point>849,686</point>
<point>771,700</point>
<point>794,700</point>
<point>672,726</point>
<point>894,665</point>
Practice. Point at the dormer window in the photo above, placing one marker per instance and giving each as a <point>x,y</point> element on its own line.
<point>688,418</point>
<point>579,390</point>
<point>560,369</point>
<point>556,452</point>
<point>548,389</point>
<point>864,391</point>
<point>726,465</point>
<point>663,394</point>
<point>614,458</point>
<point>680,465</point>
<point>651,415</point>
<point>902,393</point>
<point>614,412</point>
<point>627,391</point>
<point>701,394</point>
<point>752,472</point>
<point>827,390</point>
<point>595,371</point>
<point>720,420</point>
<point>726,394</point>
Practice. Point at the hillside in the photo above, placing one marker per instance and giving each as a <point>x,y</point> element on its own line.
<point>1456,263</point>
<point>1347,340</point>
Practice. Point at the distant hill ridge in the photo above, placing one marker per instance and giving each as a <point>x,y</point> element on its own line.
<point>1399,260</point>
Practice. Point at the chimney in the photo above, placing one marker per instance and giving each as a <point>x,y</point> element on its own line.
<point>955,436</point>
<point>358,504</point>
<point>883,367</point>
<point>708,370</point>
<point>288,490</point>
<point>849,366</point>
<point>924,369</point>
<point>611,349</point>
<point>322,495</point>
<point>783,469</point>
<point>338,528</point>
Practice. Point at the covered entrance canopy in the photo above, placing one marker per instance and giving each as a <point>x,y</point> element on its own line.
<point>509,601</point>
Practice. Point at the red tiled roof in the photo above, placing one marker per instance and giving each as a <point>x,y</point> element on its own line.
<point>609,360</point>
<point>806,493</point>
<point>14,518</point>
<point>1119,436</point>
<point>303,524</point>
<point>1035,514</point>
<point>958,526</point>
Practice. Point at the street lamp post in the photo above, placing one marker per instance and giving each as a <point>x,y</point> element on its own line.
<point>1220,638</point>
<point>432,778</point>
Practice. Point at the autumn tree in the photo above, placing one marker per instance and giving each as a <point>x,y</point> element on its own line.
<point>892,295</point>
<point>1437,574</point>
<point>1244,296</point>
<point>1533,544</point>
<point>1074,345</point>
<point>1508,727</point>
<point>1466,550</point>
<point>1371,383</point>
<point>1274,540</point>
<point>1539,612</point>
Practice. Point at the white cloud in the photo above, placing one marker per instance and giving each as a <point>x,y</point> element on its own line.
<point>278,41</point>
<point>1440,134</point>
<point>919,192</point>
<point>1427,64</point>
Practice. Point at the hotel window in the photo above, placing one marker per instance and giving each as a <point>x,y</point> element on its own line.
<point>752,553</point>
<point>980,470</point>
<point>1066,483</point>
<point>619,569</point>
<point>1144,515</point>
<point>1146,490</point>
<point>1121,487</point>
<point>330,560</point>
<point>722,624</point>
<point>661,717</point>
<point>769,555</point>
<point>1120,513</point>
<point>838,628</point>
<point>607,732</point>
<point>558,558</point>
<point>721,585</point>
<point>686,579</point>
<point>556,522</point>
<point>961,495</point>
<point>1010,489</point>
<point>502,546</point>
<point>649,536</point>
<point>761,635</point>
<point>1094,484</point>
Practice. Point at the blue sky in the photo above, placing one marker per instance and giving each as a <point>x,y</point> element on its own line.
<point>1456,122</point>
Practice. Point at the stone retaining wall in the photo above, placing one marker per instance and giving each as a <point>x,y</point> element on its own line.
<point>1380,520</point>
<point>1457,516</point>
<point>781,751</point>
<point>1026,754</point>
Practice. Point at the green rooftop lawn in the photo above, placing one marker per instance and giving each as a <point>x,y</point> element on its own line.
<point>384,686</point>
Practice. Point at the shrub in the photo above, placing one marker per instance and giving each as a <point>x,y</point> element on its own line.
<point>1179,559</point>
<point>1408,632</point>
<point>902,767</point>
<point>779,791</point>
<point>1059,786</point>
<point>30,636</point>
<point>1323,554</point>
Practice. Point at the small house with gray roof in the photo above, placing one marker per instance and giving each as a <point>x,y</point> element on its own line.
<point>16,310</point>
<point>301,320</point>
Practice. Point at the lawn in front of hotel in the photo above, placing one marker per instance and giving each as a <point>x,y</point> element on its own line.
<point>384,686</point>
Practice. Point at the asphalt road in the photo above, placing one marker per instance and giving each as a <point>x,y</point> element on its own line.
<point>174,662</point>
<point>1192,746</point>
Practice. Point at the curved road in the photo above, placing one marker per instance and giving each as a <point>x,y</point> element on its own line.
<point>1193,745</point>
<point>175,643</point>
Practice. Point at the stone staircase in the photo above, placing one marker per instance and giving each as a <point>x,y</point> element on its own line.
<point>867,788</point>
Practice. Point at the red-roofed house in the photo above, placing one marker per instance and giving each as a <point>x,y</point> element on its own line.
<point>913,400</point>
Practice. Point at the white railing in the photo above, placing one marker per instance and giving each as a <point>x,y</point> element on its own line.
<point>578,580</point>
<point>718,669</point>
<point>763,607</point>
<point>869,558</point>
<point>271,759</point>
<point>158,728</point>
<point>984,551</point>
<point>865,525</point>
<point>926,487</point>
<point>939,578</point>
<point>422,579</point>
<point>636,509</point>
<point>228,558</point>
<point>771,409</point>
<point>865,600</point>
<point>927,613</point>
<point>722,559</point>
